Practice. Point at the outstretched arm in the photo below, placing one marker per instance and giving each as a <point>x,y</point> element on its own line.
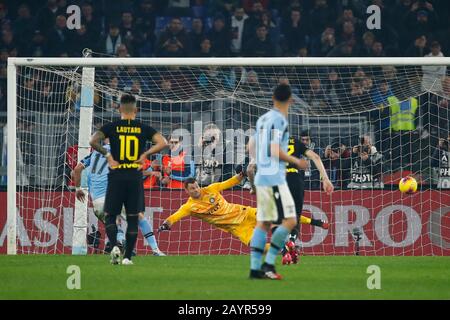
<point>227,184</point>
<point>327,185</point>
<point>175,217</point>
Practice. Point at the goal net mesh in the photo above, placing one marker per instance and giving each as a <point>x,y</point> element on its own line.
<point>371,125</point>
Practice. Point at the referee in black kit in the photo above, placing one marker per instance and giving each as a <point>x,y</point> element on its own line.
<point>128,139</point>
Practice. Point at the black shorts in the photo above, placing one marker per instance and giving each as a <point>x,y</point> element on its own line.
<point>127,193</point>
<point>296,185</point>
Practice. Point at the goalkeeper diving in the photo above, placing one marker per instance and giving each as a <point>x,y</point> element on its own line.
<point>209,205</point>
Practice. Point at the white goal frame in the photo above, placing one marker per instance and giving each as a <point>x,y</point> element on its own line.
<point>13,63</point>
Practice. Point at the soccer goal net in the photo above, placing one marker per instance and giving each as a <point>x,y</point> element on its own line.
<point>372,121</point>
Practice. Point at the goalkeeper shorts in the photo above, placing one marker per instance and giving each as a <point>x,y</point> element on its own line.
<point>244,231</point>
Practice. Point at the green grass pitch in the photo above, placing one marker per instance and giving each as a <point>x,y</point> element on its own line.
<point>222,277</point>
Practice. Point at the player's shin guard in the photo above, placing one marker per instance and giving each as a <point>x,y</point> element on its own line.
<point>257,245</point>
<point>147,231</point>
<point>131,236</point>
<point>111,229</point>
<point>277,243</point>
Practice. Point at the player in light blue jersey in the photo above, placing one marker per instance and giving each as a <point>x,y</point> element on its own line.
<point>97,180</point>
<point>274,200</point>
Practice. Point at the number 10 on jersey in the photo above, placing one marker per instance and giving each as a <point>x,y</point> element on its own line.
<point>128,143</point>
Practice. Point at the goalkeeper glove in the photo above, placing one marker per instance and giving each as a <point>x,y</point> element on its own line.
<point>165,226</point>
<point>241,169</point>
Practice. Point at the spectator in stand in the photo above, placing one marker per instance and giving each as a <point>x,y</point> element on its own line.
<point>122,51</point>
<point>220,37</point>
<point>266,19</point>
<point>213,79</point>
<point>378,50</point>
<point>113,40</point>
<point>36,47</point>
<point>7,42</point>
<point>382,97</point>
<point>176,36</point>
<point>81,39</point>
<point>321,17</point>
<point>131,35</point>
<point>260,46</point>
<point>367,44</point>
<point>205,49</point>
<point>59,39</point>
<point>173,48</point>
<point>145,19</point>
<point>419,48</point>
<point>253,21</point>
<point>334,88</point>
<point>439,122</point>
<point>196,35</point>
<point>248,4</point>
<point>224,7</point>
<point>91,21</point>
<point>251,84</point>
<point>178,166</point>
<point>46,17</point>
<point>346,49</point>
<point>295,31</point>
<point>111,99</point>
<point>421,20</point>
<point>24,27</point>
<point>152,172</point>
<point>433,75</point>
<point>316,96</point>
<point>348,16</point>
<point>237,27</point>
<point>326,45</point>
<point>348,34</point>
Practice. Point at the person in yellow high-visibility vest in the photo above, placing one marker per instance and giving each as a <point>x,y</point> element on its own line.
<point>403,125</point>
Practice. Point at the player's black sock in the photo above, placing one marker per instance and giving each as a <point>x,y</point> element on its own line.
<point>111,229</point>
<point>131,236</point>
<point>316,222</point>
<point>294,233</point>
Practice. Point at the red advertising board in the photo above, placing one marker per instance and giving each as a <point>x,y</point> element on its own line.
<point>391,223</point>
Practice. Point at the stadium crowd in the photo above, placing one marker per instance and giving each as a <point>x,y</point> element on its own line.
<point>253,28</point>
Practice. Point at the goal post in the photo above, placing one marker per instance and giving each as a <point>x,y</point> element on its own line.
<point>54,103</point>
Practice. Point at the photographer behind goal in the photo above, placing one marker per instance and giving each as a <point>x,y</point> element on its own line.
<point>441,164</point>
<point>366,163</point>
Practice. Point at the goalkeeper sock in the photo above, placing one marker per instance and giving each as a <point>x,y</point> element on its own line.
<point>305,220</point>
<point>147,231</point>
<point>257,245</point>
<point>277,243</point>
<point>131,236</point>
<point>111,229</point>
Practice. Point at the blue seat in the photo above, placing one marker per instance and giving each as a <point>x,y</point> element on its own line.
<point>208,22</point>
<point>187,23</point>
<point>161,23</point>
<point>198,11</point>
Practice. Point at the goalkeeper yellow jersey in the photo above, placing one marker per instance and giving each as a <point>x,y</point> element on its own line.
<point>212,207</point>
